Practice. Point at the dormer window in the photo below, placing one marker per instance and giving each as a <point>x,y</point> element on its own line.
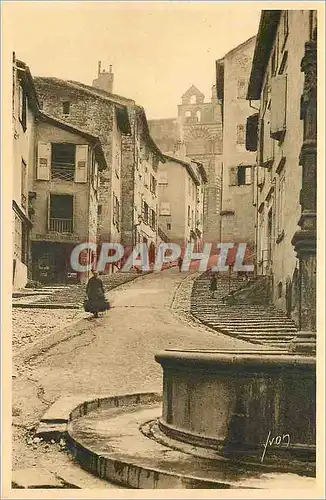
<point>66,107</point>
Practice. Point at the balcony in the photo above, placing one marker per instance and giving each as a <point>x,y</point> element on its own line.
<point>61,225</point>
<point>62,171</point>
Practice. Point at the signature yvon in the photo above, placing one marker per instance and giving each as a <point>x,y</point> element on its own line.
<point>283,440</point>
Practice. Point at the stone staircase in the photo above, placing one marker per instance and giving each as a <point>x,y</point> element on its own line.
<point>258,323</point>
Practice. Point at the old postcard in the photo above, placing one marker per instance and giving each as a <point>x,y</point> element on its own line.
<point>159,210</point>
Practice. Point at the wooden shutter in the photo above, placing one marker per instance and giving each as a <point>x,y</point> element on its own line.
<point>278,106</point>
<point>81,163</point>
<point>43,161</point>
<point>233,176</point>
<point>252,132</point>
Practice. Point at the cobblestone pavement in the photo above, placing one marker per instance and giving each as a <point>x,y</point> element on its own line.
<point>113,354</point>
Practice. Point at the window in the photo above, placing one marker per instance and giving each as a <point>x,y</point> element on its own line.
<point>99,210</point>
<point>165,208</point>
<point>198,116</point>
<point>243,175</point>
<point>163,178</point>
<point>168,226</point>
<point>23,108</point>
<point>145,212</point>
<point>61,213</point>
<point>23,185</point>
<point>63,161</point>
<point>240,134</point>
<point>152,221</point>
<point>153,183</point>
<point>189,215</point>
<point>242,88</point>
<point>240,175</point>
<point>193,99</point>
<point>66,107</point>
<point>188,116</point>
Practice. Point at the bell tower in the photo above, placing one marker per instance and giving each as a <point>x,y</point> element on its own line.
<point>104,80</point>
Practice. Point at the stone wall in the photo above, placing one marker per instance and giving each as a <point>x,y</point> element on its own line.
<point>93,114</point>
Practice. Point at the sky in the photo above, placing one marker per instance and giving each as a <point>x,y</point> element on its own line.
<point>157,49</point>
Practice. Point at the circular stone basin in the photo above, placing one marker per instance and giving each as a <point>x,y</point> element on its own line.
<point>251,406</point>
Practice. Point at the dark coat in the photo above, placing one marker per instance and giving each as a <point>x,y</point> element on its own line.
<point>96,299</point>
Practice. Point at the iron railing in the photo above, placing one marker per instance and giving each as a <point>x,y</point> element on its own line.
<point>62,171</point>
<point>61,225</point>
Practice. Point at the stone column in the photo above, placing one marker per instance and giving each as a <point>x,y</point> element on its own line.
<point>304,240</point>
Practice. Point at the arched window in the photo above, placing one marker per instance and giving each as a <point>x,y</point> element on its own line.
<point>198,116</point>
<point>188,115</point>
<point>193,99</point>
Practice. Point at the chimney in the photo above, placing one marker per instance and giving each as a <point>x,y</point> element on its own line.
<point>214,94</point>
<point>104,80</point>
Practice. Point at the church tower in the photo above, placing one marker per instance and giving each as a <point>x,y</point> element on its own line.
<point>104,80</point>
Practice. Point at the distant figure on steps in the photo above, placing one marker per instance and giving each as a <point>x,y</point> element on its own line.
<point>213,285</point>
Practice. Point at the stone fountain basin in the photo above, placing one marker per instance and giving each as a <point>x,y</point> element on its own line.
<point>238,404</point>
<point>109,443</point>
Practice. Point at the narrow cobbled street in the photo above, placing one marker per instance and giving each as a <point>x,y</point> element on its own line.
<point>113,354</point>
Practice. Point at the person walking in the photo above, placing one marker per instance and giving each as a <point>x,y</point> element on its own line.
<point>180,261</point>
<point>213,285</point>
<point>96,301</point>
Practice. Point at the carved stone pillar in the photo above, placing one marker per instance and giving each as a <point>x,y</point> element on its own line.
<point>304,240</point>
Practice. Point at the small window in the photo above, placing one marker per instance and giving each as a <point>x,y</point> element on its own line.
<point>66,107</point>
<point>168,226</point>
<point>193,99</point>
<point>165,208</point>
<point>99,210</point>
<point>240,134</point>
<point>242,88</point>
<point>243,175</point>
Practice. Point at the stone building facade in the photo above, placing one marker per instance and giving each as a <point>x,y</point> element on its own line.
<point>283,77</point>
<point>140,160</point>
<point>237,213</point>
<point>25,107</point>
<point>201,126</point>
<point>64,186</point>
<point>102,115</point>
<point>181,201</point>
